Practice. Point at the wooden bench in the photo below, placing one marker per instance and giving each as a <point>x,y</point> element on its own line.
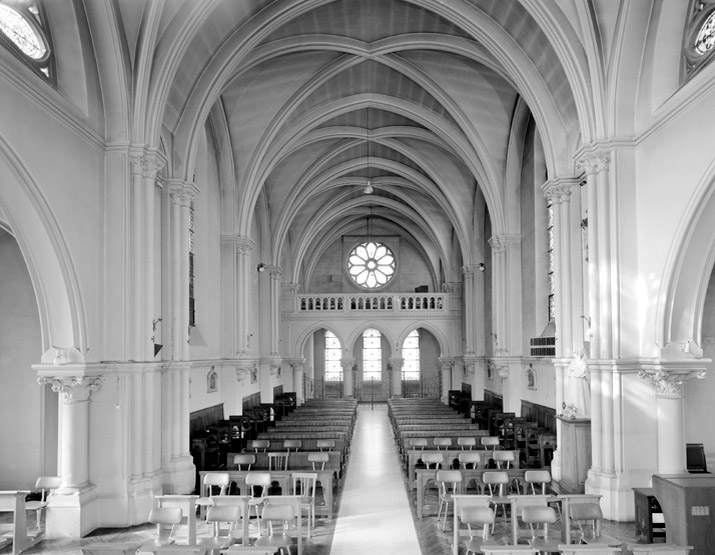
<point>16,532</point>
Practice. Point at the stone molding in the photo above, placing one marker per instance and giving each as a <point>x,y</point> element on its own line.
<point>670,383</point>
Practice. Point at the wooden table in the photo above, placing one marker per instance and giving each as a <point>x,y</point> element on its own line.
<point>424,475</point>
<point>187,504</point>
<point>284,479</point>
<point>413,455</point>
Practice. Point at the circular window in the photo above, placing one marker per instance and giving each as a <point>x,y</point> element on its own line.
<point>371,265</point>
<point>23,31</point>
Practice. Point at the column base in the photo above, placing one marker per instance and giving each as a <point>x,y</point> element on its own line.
<point>72,513</point>
<point>618,501</point>
<point>179,476</point>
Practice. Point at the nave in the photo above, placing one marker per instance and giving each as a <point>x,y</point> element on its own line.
<point>375,509</point>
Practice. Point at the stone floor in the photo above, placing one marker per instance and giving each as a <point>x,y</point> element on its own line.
<point>365,494</point>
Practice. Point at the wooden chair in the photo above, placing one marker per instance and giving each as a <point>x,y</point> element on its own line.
<point>476,518</point>
<point>257,484</point>
<point>539,518</point>
<point>496,482</point>
<point>433,459</point>
<point>537,479</point>
<point>305,484</point>
<point>468,458</point>
<point>221,538</point>
<point>211,481</point>
<point>503,459</point>
<point>293,444</point>
<point>490,442</point>
<point>449,483</point>
<point>440,442</point>
<point>277,461</point>
<point>318,459</point>
<point>165,518</point>
<point>469,442</point>
<point>260,445</point>
<point>325,444</point>
<point>588,517</point>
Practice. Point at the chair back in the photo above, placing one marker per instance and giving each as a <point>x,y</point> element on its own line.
<point>431,458</point>
<point>318,459</point>
<point>489,441</point>
<point>277,461</point>
<point>469,442</point>
<point>495,481</point>
<point>255,480</point>
<point>260,445</point>
<point>217,514</point>
<point>293,444</point>
<point>469,457</point>
<point>304,484</point>
<point>244,459</point>
<point>503,458</point>
<point>587,516</point>
<point>440,442</point>
<point>538,517</point>
<point>277,514</point>
<point>47,484</point>
<point>474,517</point>
<point>418,443</point>
<point>163,517</point>
<point>537,478</point>
<point>220,480</point>
<point>325,444</point>
<point>449,481</point>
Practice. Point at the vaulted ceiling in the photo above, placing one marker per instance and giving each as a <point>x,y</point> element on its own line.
<point>313,98</point>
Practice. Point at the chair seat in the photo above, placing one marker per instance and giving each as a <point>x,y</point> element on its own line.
<point>34,505</point>
<point>549,546</point>
<point>204,501</point>
<point>274,540</point>
<point>475,544</point>
<point>217,543</point>
<point>147,546</point>
<point>603,540</point>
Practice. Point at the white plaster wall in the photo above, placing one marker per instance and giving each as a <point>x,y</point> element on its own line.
<point>20,409</point>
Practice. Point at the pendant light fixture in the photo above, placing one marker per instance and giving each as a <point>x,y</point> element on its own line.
<point>368,186</point>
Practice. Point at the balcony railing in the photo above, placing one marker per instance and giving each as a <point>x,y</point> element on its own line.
<point>412,302</point>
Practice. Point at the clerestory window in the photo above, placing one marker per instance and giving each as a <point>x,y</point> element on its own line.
<point>23,31</point>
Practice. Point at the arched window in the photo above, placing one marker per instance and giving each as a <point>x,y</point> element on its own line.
<point>371,355</point>
<point>411,356</point>
<point>371,265</point>
<point>23,31</point>
<point>333,354</point>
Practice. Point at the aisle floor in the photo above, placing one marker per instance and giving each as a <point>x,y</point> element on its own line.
<point>375,509</point>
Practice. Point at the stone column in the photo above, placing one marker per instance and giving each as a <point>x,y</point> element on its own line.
<point>298,371</point>
<point>243,248</point>
<point>348,377</point>
<point>468,273</point>
<point>144,169</point>
<point>499,295</point>
<point>75,392</point>
<point>446,369</point>
<point>396,364</point>
<point>669,387</point>
<point>181,196</point>
<point>274,304</point>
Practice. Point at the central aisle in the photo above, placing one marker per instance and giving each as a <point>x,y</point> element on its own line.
<point>374,515</point>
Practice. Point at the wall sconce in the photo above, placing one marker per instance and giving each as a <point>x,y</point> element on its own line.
<point>481,267</point>
<point>261,267</point>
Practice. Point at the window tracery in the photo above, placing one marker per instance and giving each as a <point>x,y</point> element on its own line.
<point>371,265</point>
<point>699,41</point>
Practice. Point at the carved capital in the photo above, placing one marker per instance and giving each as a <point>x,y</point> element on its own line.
<point>244,245</point>
<point>75,388</point>
<point>670,383</point>
<point>498,243</point>
<point>468,270</point>
<point>182,196</point>
<point>146,165</point>
<point>275,272</point>
<point>556,193</point>
<point>593,163</point>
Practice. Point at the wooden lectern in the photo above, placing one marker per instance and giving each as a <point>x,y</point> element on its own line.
<point>688,503</point>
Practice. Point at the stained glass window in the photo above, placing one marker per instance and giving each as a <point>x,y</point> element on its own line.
<point>371,265</point>
<point>21,25</point>
<point>371,355</point>
<point>333,354</point>
<point>705,40</point>
<point>411,356</point>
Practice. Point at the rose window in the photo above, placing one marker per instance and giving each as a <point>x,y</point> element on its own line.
<point>371,265</point>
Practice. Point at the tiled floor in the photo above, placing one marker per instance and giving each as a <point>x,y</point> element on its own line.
<point>376,511</point>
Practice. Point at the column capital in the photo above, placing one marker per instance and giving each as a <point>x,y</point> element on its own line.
<point>557,191</point>
<point>670,383</point>
<point>347,364</point>
<point>593,162</point>
<point>146,164</point>
<point>73,389</point>
<point>275,272</point>
<point>397,363</point>
<point>182,196</point>
<point>499,243</point>
<point>243,245</point>
<point>468,270</point>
